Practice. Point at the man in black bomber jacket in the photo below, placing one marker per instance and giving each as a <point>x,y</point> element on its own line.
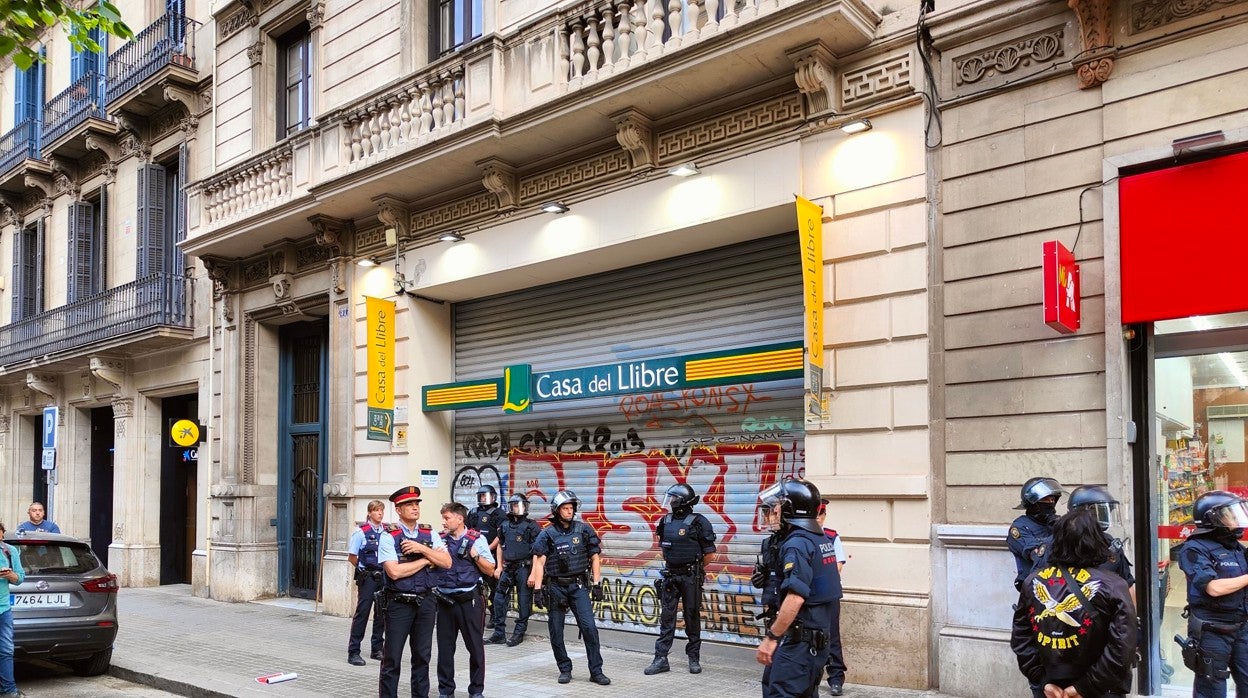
<point>1074,627</point>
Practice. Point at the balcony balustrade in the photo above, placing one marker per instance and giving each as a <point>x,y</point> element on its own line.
<point>258,183</point>
<point>169,41</point>
<point>19,144</point>
<point>408,116</point>
<point>82,99</point>
<point>159,300</point>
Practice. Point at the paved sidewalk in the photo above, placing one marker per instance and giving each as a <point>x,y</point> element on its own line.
<point>195,647</point>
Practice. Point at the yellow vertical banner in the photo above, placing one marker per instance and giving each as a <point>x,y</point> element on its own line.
<point>810,234</point>
<point>379,342</point>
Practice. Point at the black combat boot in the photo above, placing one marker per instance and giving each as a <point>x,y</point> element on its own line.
<point>515,640</point>
<point>497,638</point>
<point>355,659</point>
<point>658,666</point>
<point>695,666</point>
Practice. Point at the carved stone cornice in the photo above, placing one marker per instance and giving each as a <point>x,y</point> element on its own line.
<point>331,232</point>
<point>189,101</point>
<point>393,213</point>
<point>255,53</point>
<point>123,407</point>
<point>64,177</point>
<point>1150,14</point>
<point>282,285</point>
<point>221,272</point>
<point>815,76</point>
<point>46,383</point>
<point>42,182</point>
<point>96,141</point>
<point>635,133</point>
<point>109,370</point>
<point>500,179</point>
<point>1095,61</point>
<point>316,14</point>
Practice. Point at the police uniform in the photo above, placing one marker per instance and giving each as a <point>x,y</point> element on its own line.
<point>516,539</point>
<point>1026,540</point>
<point>684,540</point>
<point>410,607</point>
<point>487,520</point>
<point>461,610</point>
<point>836,658</point>
<point>807,567</point>
<point>1217,623</point>
<point>565,583</point>
<point>368,581</point>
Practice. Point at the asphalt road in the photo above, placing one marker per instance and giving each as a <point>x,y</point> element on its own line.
<point>46,680</point>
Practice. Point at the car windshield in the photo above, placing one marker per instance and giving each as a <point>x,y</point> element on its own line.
<point>47,557</point>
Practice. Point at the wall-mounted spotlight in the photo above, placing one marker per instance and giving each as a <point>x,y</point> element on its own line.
<point>450,236</point>
<point>555,207</point>
<point>1198,142</point>
<point>687,169</point>
<point>367,262</point>
<point>856,126</point>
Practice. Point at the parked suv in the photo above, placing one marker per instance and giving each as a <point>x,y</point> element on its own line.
<point>66,610</point>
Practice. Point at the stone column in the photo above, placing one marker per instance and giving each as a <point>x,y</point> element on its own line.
<point>134,555</point>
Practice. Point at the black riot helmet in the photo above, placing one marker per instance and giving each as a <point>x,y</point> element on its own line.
<point>518,505</point>
<point>798,501</point>
<point>564,497</point>
<point>1099,500</point>
<point>487,496</point>
<point>1038,488</point>
<point>680,498</point>
<point>1220,509</point>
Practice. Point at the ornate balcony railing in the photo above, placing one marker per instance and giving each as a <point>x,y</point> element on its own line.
<point>261,182</point>
<point>169,40</point>
<point>431,104</point>
<point>159,300</point>
<point>18,144</point>
<point>72,106</point>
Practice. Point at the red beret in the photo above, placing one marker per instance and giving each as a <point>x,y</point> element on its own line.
<point>411,493</point>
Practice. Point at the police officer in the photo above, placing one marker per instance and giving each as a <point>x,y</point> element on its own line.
<point>687,542</point>
<point>515,560</point>
<point>1217,594</point>
<point>1031,531</point>
<point>487,518</point>
<point>1098,500</point>
<point>836,658</point>
<point>362,554</point>
<point>795,648</point>
<point>566,565</point>
<point>461,607</point>
<point>409,556</point>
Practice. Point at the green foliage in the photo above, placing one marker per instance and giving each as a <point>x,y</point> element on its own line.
<point>22,23</point>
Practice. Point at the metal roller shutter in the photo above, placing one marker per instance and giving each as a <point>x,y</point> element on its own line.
<point>621,453</point>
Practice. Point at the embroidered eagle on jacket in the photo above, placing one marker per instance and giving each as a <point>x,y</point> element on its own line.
<point>1062,609</point>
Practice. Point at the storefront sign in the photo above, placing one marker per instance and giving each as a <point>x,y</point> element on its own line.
<point>379,316</point>
<point>1061,288</point>
<point>810,233</point>
<point>520,387</point>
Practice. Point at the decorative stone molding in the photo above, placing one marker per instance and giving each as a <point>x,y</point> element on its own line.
<point>109,370</point>
<point>249,400</point>
<point>4,423</point>
<point>316,14</point>
<point>255,271</point>
<point>311,255</point>
<point>336,489</point>
<point>878,81</point>
<point>255,53</point>
<point>64,177</point>
<point>282,284</point>
<point>578,175</point>
<point>500,179</point>
<point>393,213</point>
<point>134,146</point>
<point>42,182</point>
<point>1150,14</point>
<point>750,122</point>
<point>189,100</point>
<point>221,272</point>
<point>331,233</point>
<point>635,134</point>
<point>1044,46</point>
<point>123,407</point>
<point>458,212</point>
<point>291,309</point>
<point>229,490</point>
<point>237,22</point>
<point>336,282</point>
<point>88,383</point>
<point>1096,61</point>
<point>44,383</point>
<point>815,76</point>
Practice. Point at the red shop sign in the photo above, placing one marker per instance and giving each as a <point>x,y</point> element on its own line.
<point>1061,288</point>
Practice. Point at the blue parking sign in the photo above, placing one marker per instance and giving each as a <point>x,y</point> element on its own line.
<point>49,427</point>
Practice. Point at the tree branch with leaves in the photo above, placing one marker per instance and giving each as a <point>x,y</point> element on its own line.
<point>23,22</point>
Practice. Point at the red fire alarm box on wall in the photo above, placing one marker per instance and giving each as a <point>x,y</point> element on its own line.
<point>1061,288</point>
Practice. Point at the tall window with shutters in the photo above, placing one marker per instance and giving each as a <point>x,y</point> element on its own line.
<point>86,263</point>
<point>162,218</point>
<point>294,80</point>
<point>28,271</point>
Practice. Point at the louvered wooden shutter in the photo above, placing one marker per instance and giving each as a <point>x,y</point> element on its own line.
<point>101,257</point>
<point>22,269</point>
<point>38,273</point>
<point>179,212</point>
<point>81,263</point>
<point>151,252</point>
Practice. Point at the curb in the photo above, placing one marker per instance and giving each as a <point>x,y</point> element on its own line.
<point>166,684</point>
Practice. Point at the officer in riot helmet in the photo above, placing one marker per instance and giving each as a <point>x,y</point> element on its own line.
<point>567,569</point>
<point>1217,595</point>
<point>1098,500</point>
<point>1030,531</point>
<point>687,542</point>
<point>487,518</point>
<point>515,561</point>
<point>767,569</point>
<point>795,648</point>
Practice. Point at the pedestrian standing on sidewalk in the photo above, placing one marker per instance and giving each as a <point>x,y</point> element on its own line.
<point>369,577</point>
<point>836,658</point>
<point>795,647</point>
<point>515,560</point>
<point>10,573</point>
<point>409,555</point>
<point>567,566</point>
<point>687,542</point>
<point>487,518</point>
<point>461,606</point>
<point>37,522</point>
<point>1030,532</point>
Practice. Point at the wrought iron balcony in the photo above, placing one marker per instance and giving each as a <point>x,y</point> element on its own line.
<point>159,300</point>
<point>17,145</point>
<point>71,107</point>
<point>169,41</point>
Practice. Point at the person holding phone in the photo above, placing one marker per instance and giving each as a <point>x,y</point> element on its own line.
<point>10,574</point>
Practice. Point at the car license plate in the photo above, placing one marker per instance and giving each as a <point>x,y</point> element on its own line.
<point>41,601</point>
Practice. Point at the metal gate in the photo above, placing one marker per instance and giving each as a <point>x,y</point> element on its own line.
<point>302,465</point>
<point>621,453</point>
